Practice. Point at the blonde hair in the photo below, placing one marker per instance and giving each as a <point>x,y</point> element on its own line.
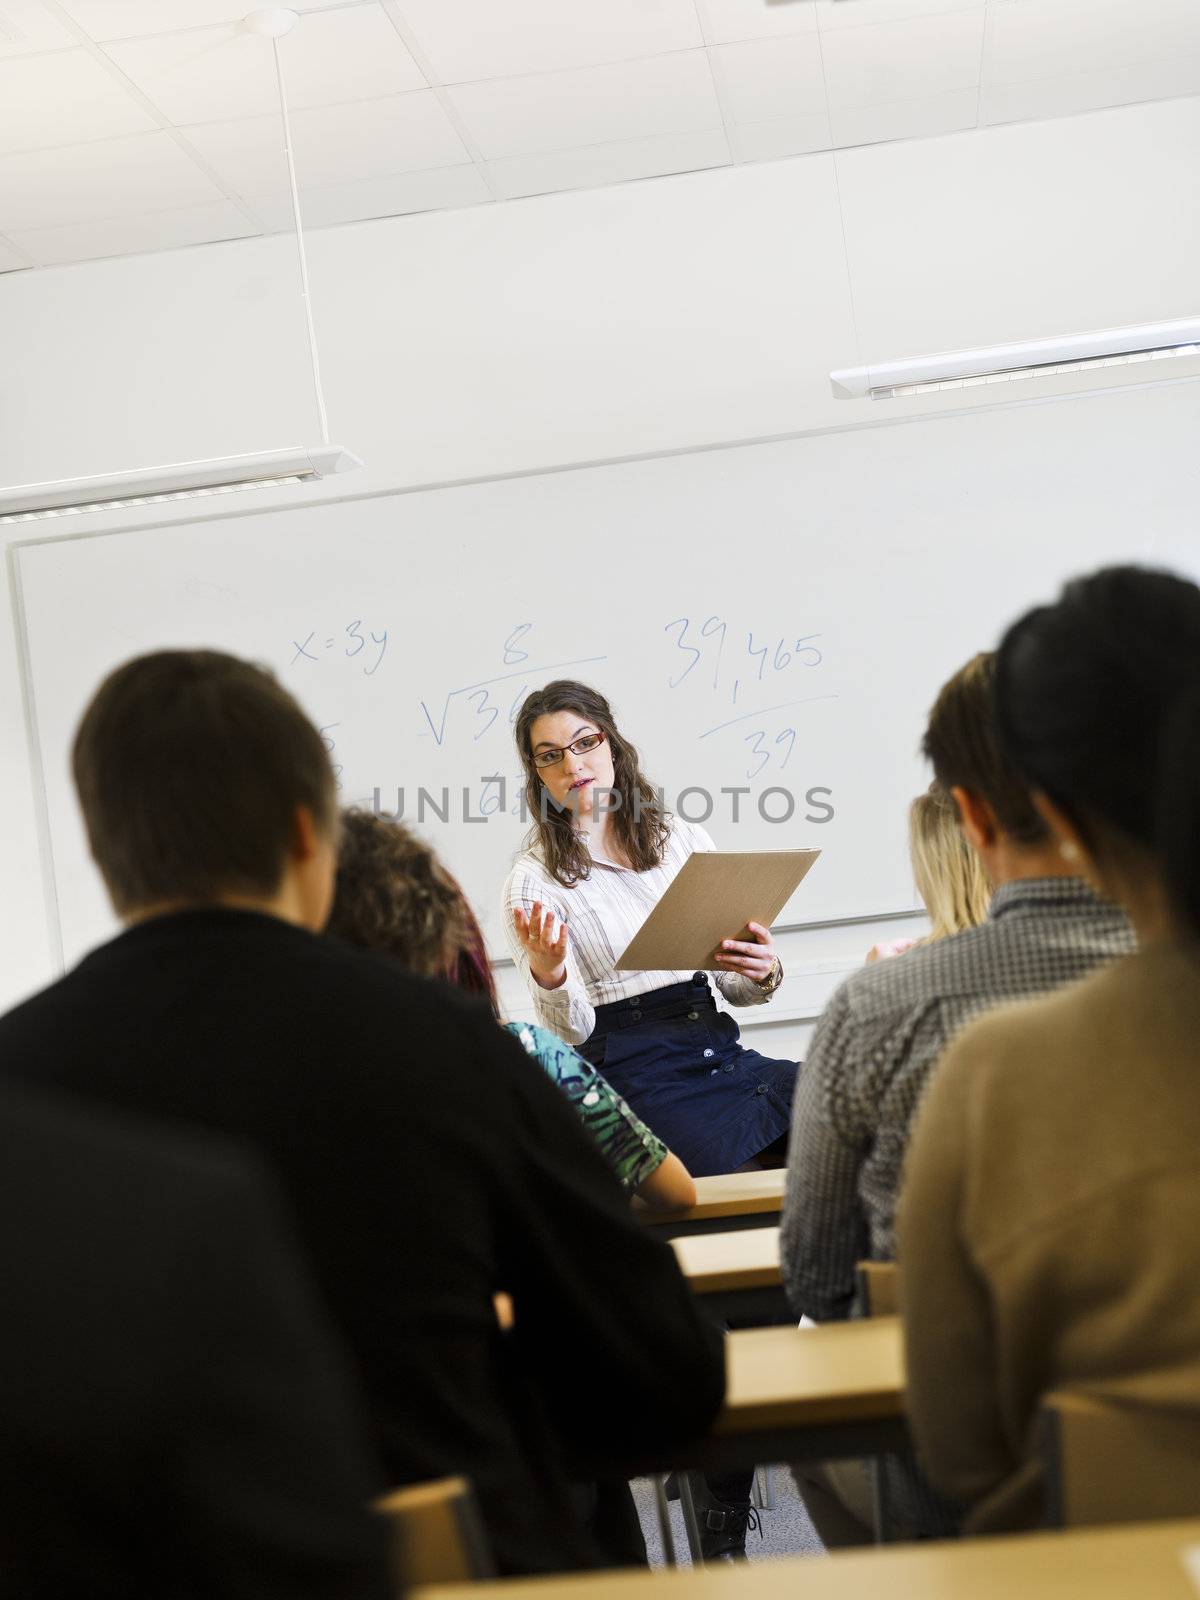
<point>948,873</point>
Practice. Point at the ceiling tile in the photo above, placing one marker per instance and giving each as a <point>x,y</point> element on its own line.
<point>329,203</point>
<point>1091,91</point>
<point>595,105</point>
<point>114,178</point>
<point>770,78</point>
<point>1058,38</point>
<point>332,144</point>
<point>26,25</point>
<point>127,236</point>
<point>214,74</point>
<point>612,163</point>
<point>64,98</point>
<point>787,136</point>
<point>833,14</point>
<point>729,20</point>
<point>905,119</point>
<point>469,39</point>
<point>907,60</point>
<point>123,19</point>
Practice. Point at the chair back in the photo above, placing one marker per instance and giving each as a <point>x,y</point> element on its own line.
<point>1108,1462</point>
<point>879,1288</point>
<point>438,1534</point>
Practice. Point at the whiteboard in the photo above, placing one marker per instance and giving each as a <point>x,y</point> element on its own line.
<point>772,618</point>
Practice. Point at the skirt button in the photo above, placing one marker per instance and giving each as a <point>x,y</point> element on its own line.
<point>693,1016</point>
<point>707,1054</point>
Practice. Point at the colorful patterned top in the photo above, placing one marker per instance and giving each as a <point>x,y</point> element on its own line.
<point>626,1143</point>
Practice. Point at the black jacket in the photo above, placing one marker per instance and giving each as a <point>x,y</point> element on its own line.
<point>429,1163</point>
<point>175,1418</point>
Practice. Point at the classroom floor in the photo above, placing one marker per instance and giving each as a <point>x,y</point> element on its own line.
<point>786,1530</point>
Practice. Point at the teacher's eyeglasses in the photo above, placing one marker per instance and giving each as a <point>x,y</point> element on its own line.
<point>551,758</point>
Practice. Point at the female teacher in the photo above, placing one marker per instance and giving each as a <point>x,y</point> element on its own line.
<point>598,859</point>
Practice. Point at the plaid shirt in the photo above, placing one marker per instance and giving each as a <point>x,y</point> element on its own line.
<point>873,1050</point>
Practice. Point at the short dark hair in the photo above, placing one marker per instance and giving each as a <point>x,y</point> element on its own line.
<point>394,896</point>
<point>962,740</point>
<point>189,766</point>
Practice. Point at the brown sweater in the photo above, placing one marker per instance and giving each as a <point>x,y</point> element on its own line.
<point>1049,1225</point>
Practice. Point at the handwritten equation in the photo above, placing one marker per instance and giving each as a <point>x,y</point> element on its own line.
<point>725,669</point>
<point>727,665</point>
<point>750,666</point>
<point>315,645</point>
<point>475,709</point>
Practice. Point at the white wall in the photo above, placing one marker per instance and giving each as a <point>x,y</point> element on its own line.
<point>659,315</point>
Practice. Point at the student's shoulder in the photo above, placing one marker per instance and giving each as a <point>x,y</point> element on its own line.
<point>1012,1044</point>
<point>371,977</point>
<point>974,963</point>
<point>381,1011</point>
<point>879,990</point>
<point>40,1018</point>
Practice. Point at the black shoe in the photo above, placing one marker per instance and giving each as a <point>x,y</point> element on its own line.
<point>723,1529</point>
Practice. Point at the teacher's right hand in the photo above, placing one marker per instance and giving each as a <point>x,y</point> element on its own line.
<point>545,947</point>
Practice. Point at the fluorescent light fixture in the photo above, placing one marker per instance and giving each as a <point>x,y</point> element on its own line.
<point>266,469</point>
<point>144,486</point>
<point>1006,363</point>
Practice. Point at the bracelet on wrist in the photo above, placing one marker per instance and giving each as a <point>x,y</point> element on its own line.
<point>773,979</point>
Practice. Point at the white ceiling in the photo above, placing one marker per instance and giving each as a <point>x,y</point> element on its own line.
<point>135,125</point>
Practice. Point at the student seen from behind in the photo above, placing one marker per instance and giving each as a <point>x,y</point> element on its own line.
<point>1049,1228</point>
<point>394,896</point>
<point>427,1161</point>
<point>175,1416</point>
<point>885,1028</point>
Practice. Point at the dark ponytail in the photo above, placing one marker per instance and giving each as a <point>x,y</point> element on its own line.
<point>1098,706</point>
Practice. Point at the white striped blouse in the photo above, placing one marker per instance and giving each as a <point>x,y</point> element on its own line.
<point>602,913</point>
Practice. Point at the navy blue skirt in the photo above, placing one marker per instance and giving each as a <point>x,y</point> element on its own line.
<point>678,1062</point>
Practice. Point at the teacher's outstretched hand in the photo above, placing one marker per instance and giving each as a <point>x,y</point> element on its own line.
<point>545,944</point>
<point>753,958</point>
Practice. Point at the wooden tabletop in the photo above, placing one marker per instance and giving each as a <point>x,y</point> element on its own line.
<point>730,1194</point>
<point>1096,1564</point>
<point>799,1394</point>
<point>809,1377</point>
<point>715,1262</point>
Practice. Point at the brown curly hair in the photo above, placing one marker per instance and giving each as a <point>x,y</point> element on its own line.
<point>638,824</point>
<point>394,896</point>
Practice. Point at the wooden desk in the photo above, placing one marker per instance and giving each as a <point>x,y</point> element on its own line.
<point>737,1273</point>
<point>812,1394</point>
<point>724,1204</point>
<point>1095,1564</point>
<point>723,1261</point>
<point>796,1394</point>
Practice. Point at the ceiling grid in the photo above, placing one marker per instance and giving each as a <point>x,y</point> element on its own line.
<point>119,134</point>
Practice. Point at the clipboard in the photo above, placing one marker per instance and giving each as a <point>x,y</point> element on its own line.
<point>712,897</point>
